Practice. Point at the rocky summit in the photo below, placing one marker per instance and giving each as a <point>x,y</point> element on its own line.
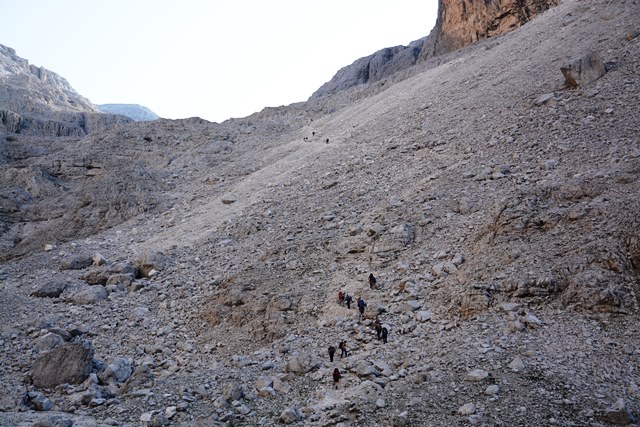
<point>188,273</point>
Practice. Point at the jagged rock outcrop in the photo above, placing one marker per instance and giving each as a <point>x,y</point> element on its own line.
<point>462,22</point>
<point>459,23</point>
<point>135,112</point>
<point>372,68</point>
<point>58,124</point>
<point>36,91</point>
<point>36,101</point>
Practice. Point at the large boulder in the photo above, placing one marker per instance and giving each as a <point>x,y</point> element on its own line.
<point>149,263</point>
<point>619,414</point>
<point>301,363</point>
<point>69,364</point>
<point>583,70</point>
<point>86,294</point>
<point>51,289</point>
<point>142,376</point>
<point>395,240</point>
<point>76,262</point>
<point>291,415</point>
<point>119,370</point>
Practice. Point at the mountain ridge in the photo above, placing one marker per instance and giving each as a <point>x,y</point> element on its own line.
<point>135,112</point>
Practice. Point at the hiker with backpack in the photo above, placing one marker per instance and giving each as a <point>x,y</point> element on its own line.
<point>378,327</point>
<point>343,349</point>
<point>340,297</point>
<point>332,351</point>
<point>361,306</point>
<point>348,298</point>
<point>336,377</point>
<point>385,333</point>
<point>372,281</point>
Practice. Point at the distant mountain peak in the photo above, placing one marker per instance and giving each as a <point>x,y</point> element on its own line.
<point>135,112</point>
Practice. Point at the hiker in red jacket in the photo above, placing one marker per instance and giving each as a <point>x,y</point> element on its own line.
<point>336,377</point>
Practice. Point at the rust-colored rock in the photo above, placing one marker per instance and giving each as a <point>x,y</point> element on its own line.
<point>462,22</point>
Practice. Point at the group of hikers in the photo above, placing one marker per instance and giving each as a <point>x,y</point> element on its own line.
<point>381,331</point>
<point>348,299</point>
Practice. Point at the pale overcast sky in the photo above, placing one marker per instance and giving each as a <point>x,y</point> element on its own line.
<point>207,58</point>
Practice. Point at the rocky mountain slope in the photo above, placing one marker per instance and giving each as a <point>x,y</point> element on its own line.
<point>36,101</point>
<point>29,89</point>
<point>135,112</point>
<point>497,207</point>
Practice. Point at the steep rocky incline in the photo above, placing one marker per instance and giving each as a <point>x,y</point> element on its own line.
<point>496,204</point>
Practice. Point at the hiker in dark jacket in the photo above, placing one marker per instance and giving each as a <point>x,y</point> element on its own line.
<point>332,351</point>
<point>348,300</point>
<point>378,327</point>
<point>385,333</point>
<point>372,281</point>
<point>361,306</point>
<point>336,377</point>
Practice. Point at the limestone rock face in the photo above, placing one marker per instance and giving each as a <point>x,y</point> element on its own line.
<point>463,22</point>
<point>31,89</point>
<point>372,68</point>
<point>36,101</point>
<point>460,22</point>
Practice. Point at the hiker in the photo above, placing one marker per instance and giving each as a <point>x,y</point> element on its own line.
<point>361,306</point>
<point>385,333</point>
<point>372,281</point>
<point>340,297</point>
<point>332,351</point>
<point>343,349</point>
<point>336,377</point>
<point>378,326</point>
<point>348,300</point>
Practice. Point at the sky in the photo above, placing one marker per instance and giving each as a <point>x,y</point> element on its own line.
<point>206,58</point>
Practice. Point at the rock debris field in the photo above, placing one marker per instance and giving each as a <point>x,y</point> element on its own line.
<point>189,272</point>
